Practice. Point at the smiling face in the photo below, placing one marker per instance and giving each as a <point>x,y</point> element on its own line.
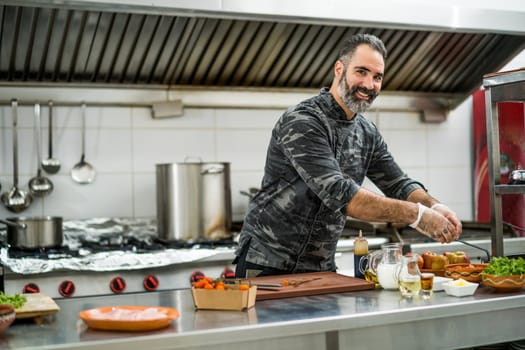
<point>358,83</point>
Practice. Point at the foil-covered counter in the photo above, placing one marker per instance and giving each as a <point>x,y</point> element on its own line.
<point>78,234</point>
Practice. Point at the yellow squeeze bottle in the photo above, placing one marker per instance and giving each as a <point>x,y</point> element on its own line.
<point>360,250</point>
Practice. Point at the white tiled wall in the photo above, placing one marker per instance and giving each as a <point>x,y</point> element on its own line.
<point>438,155</point>
<point>124,144</point>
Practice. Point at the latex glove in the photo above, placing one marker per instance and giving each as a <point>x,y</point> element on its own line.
<point>433,224</point>
<point>451,216</point>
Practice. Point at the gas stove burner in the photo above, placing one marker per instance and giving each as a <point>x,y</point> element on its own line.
<point>146,244</point>
<point>43,253</point>
<point>177,244</point>
<point>108,243</point>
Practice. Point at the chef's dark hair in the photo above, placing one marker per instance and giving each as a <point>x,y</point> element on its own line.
<point>348,49</point>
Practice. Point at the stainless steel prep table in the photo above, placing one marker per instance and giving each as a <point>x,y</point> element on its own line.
<point>364,320</point>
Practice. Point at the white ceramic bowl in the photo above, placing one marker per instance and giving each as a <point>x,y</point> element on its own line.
<point>460,288</point>
<point>438,283</point>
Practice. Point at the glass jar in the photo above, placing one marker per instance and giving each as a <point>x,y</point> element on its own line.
<point>409,276</point>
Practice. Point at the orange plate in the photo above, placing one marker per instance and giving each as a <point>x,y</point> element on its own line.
<point>131,325</point>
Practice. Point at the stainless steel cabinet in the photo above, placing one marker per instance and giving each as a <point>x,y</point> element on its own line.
<point>500,87</point>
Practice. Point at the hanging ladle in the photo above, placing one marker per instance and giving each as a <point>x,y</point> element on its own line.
<point>16,200</point>
<point>39,186</point>
<point>51,165</point>
<point>83,172</point>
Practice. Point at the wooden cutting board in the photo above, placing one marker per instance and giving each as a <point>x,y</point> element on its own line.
<point>37,304</point>
<point>313,283</point>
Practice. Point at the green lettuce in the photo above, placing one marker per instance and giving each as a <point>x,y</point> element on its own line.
<point>505,266</point>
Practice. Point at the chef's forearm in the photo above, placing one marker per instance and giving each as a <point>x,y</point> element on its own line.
<point>422,196</point>
<point>368,206</point>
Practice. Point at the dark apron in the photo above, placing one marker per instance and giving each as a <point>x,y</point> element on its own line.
<point>246,269</point>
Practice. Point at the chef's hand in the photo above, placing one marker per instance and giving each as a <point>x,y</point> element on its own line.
<point>433,224</point>
<point>451,216</point>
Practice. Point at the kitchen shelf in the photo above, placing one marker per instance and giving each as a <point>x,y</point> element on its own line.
<point>509,189</point>
<point>500,87</point>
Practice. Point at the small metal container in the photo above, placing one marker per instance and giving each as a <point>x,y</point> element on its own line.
<point>517,177</point>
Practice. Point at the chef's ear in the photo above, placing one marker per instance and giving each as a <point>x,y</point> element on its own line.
<point>339,68</point>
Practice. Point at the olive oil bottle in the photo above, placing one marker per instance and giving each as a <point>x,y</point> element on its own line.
<point>360,251</point>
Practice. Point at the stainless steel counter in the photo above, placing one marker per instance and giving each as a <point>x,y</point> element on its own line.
<point>366,320</point>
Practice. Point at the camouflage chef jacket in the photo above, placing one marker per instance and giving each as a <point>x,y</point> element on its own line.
<point>316,162</point>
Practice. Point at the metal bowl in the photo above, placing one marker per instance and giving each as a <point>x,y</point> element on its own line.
<point>517,177</point>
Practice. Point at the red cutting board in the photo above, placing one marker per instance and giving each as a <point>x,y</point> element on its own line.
<point>312,283</point>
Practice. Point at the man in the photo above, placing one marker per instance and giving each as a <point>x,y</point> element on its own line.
<point>319,154</point>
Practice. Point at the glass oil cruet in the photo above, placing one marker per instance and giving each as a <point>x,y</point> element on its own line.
<point>368,266</point>
<point>409,276</point>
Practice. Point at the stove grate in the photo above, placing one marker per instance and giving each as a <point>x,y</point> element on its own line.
<point>43,253</point>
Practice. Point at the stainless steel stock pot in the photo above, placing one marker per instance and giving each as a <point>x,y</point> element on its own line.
<point>193,201</point>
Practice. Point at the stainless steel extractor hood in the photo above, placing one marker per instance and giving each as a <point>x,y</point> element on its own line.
<point>438,53</point>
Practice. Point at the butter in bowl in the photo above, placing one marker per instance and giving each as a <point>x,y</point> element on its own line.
<point>460,287</point>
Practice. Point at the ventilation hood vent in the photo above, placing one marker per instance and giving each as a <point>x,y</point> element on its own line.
<point>128,43</point>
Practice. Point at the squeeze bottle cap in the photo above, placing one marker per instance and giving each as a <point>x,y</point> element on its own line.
<point>360,245</point>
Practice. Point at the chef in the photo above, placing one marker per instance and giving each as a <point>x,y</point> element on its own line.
<point>319,154</point>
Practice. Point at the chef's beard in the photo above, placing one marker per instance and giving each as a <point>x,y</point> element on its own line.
<point>353,103</point>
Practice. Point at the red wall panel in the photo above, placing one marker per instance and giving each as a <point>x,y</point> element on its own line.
<point>512,155</point>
